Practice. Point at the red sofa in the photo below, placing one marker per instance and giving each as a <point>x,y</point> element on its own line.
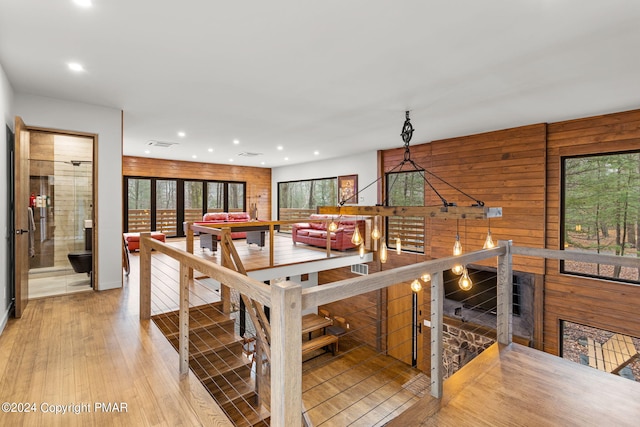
<point>314,231</point>
<point>206,240</point>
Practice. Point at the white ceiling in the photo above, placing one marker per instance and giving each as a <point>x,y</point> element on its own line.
<point>334,76</point>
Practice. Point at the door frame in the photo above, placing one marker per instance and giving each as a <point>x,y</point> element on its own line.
<point>10,278</point>
<point>94,210</point>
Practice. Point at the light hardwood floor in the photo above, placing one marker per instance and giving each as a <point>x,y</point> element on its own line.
<point>91,348</point>
<point>519,386</point>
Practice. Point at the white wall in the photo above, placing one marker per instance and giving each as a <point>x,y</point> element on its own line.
<point>364,165</point>
<point>6,110</point>
<point>107,124</point>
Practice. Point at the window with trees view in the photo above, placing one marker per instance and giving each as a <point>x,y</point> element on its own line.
<point>405,189</point>
<point>156,204</point>
<point>299,199</point>
<point>601,212</point>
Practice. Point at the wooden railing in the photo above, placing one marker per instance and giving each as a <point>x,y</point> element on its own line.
<point>293,215</point>
<point>287,300</point>
<point>139,220</point>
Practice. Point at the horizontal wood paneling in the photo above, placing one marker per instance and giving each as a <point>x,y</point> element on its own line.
<point>503,168</point>
<point>599,303</point>
<point>258,179</point>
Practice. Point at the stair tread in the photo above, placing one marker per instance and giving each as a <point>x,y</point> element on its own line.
<point>232,389</point>
<point>212,365</point>
<point>200,317</point>
<point>204,342</point>
<point>244,414</point>
<point>213,327</point>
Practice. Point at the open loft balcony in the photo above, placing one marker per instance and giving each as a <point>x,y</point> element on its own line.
<point>362,367</point>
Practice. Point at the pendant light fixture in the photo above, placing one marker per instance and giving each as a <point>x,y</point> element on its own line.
<point>488,243</point>
<point>398,245</point>
<point>426,277</point>
<point>457,246</point>
<point>457,269</point>
<point>465,282</point>
<point>383,252</point>
<point>416,286</point>
<point>375,233</point>
<point>332,227</point>
<point>356,239</point>
<point>361,250</point>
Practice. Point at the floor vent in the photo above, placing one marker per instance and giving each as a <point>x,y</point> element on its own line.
<point>362,269</point>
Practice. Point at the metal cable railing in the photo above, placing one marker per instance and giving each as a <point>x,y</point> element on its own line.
<point>363,376</point>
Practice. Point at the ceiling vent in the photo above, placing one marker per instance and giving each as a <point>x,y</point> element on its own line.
<point>249,154</point>
<point>161,144</point>
<point>361,269</point>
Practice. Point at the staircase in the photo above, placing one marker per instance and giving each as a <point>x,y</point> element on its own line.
<point>218,359</point>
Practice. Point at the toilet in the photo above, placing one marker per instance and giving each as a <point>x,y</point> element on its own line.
<point>81,261</point>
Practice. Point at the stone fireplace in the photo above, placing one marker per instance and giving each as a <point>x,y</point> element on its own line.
<point>461,343</point>
<point>471,328</point>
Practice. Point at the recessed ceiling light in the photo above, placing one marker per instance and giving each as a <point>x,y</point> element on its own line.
<point>280,147</point>
<point>194,157</point>
<point>231,160</point>
<point>74,66</point>
<point>83,3</point>
<point>286,158</point>
<point>182,134</point>
<point>235,141</point>
<point>147,151</point>
<point>315,153</point>
<point>210,150</point>
<point>262,163</point>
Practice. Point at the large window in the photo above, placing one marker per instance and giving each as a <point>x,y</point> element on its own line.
<point>299,199</point>
<point>193,202</point>
<point>601,212</point>
<point>405,189</point>
<point>165,212</point>
<point>157,204</point>
<point>138,215</point>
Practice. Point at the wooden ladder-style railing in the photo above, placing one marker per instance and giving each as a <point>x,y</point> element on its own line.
<point>262,357</point>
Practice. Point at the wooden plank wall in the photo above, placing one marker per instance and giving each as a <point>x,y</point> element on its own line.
<point>598,303</point>
<point>519,170</point>
<point>503,169</point>
<point>258,179</point>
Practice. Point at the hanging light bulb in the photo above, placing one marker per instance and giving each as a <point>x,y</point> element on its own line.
<point>361,250</point>
<point>488,243</point>
<point>332,227</point>
<point>416,286</point>
<point>465,282</point>
<point>356,239</point>
<point>398,245</point>
<point>375,233</point>
<point>425,277</point>
<point>383,252</point>
<point>457,269</point>
<point>457,246</point>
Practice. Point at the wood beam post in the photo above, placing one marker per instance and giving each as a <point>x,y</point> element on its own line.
<point>189,232</point>
<point>183,339</point>
<point>504,307</point>
<point>437,308</point>
<point>225,255</point>
<point>271,240</point>
<point>286,354</point>
<point>145,277</point>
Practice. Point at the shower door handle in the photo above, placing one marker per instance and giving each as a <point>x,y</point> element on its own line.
<point>21,231</point>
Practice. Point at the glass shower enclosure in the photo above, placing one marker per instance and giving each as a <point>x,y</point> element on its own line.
<point>61,214</point>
